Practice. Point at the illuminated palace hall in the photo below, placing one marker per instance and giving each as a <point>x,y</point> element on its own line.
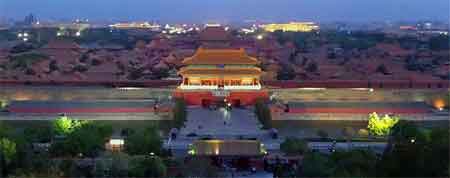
<point>212,75</point>
<point>220,69</point>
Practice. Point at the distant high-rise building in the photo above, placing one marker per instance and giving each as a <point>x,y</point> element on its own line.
<point>29,20</point>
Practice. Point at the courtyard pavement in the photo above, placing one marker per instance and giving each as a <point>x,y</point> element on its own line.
<point>222,123</point>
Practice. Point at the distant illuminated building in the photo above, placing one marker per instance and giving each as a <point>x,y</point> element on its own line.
<point>135,25</point>
<point>291,27</point>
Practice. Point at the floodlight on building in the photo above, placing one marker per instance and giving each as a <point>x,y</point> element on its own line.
<point>19,35</point>
<point>58,34</point>
<point>25,34</point>
<point>78,33</point>
<point>25,39</point>
<point>413,140</point>
<point>164,31</point>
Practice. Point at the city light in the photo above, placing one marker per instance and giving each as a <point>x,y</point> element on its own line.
<point>25,39</point>
<point>19,35</point>
<point>78,33</point>
<point>25,34</point>
<point>259,37</point>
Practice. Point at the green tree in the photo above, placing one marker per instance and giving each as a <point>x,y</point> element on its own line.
<point>144,142</point>
<point>263,113</point>
<point>86,140</point>
<point>38,134</point>
<point>8,150</point>
<point>65,125</point>
<point>294,146</point>
<point>179,113</point>
<point>354,163</point>
<point>147,166</point>
<point>317,165</point>
<point>381,126</point>
<point>414,152</point>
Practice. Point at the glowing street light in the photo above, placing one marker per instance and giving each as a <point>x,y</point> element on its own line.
<point>25,34</point>
<point>78,33</point>
<point>413,140</point>
<point>19,35</point>
<point>25,39</point>
<point>259,37</point>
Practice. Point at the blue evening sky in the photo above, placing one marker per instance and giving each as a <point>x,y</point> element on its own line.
<point>229,10</point>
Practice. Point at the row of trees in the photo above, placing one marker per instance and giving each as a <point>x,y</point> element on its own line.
<point>411,152</point>
<point>71,140</point>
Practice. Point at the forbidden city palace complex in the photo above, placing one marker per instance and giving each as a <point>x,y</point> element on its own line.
<point>217,74</point>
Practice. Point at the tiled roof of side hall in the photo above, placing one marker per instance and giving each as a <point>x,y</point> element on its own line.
<point>220,56</point>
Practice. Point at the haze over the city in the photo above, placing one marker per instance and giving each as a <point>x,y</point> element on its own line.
<point>229,10</point>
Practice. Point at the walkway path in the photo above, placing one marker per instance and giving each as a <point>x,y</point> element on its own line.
<point>221,123</point>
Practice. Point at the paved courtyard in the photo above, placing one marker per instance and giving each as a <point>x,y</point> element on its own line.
<point>222,123</point>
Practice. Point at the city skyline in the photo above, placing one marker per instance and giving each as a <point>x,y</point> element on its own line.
<point>229,11</point>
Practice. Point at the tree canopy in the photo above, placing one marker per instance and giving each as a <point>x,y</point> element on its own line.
<point>65,125</point>
<point>144,142</point>
<point>294,146</point>
<point>381,126</point>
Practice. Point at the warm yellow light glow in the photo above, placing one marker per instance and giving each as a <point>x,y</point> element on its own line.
<point>292,26</point>
<point>216,151</point>
<point>439,103</point>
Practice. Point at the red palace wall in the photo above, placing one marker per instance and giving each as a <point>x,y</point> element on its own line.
<point>200,97</point>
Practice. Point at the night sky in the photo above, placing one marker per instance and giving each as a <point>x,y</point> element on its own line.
<point>229,10</point>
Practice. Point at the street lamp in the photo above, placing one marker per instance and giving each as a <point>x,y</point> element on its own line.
<point>259,37</point>
<point>78,33</point>
<point>413,140</point>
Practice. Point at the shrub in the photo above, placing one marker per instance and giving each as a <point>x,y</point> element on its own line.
<point>263,113</point>
<point>363,133</point>
<point>322,134</point>
<point>179,113</point>
<point>294,146</point>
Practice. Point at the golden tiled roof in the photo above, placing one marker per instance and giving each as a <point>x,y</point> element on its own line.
<point>221,71</point>
<point>220,56</point>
